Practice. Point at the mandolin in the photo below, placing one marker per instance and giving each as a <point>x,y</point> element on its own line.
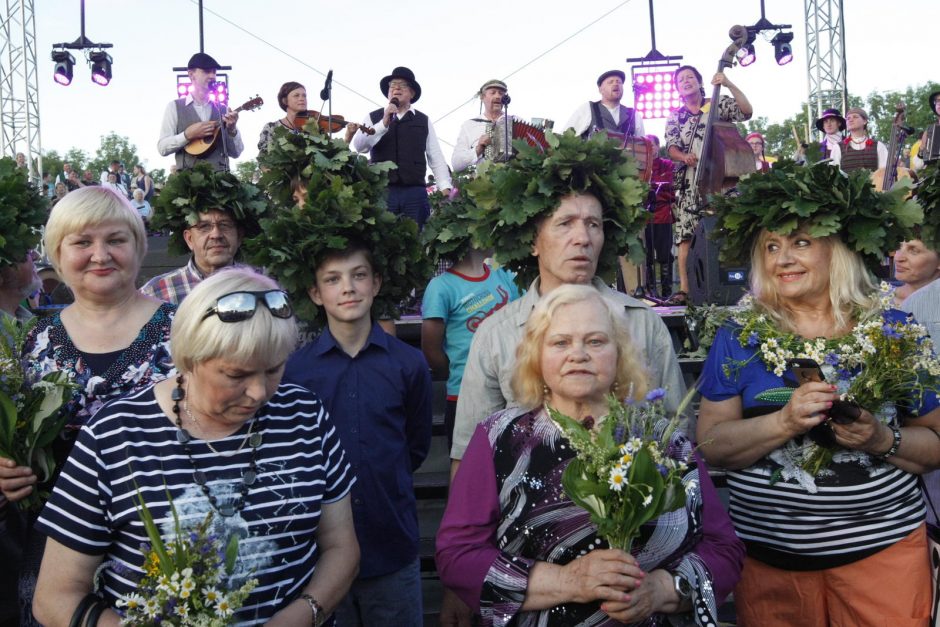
<point>201,145</point>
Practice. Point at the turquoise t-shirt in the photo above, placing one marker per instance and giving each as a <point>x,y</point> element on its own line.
<point>464,302</point>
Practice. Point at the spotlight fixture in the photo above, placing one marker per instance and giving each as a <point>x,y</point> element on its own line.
<point>64,66</point>
<point>100,67</point>
<point>218,90</point>
<point>783,52</point>
<point>654,91</point>
<point>746,54</point>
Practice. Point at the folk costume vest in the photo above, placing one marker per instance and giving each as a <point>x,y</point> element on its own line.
<point>186,115</point>
<point>404,144</point>
<point>866,158</point>
<point>601,118</point>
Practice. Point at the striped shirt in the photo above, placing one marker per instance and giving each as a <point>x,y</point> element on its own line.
<point>301,466</point>
<point>853,509</point>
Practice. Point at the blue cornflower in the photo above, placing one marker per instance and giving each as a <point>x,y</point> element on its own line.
<point>655,394</point>
<point>832,359</point>
<point>889,331</point>
<point>753,339</point>
<point>619,432</point>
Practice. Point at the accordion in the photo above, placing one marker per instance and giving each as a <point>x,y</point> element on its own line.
<point>930,149</point>
<point>532,133</point>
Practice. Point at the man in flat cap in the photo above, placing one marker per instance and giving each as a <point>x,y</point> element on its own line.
<point>196,117</point>
<point>477,133</point>
<point>607,113</point>
<point>406,137</point>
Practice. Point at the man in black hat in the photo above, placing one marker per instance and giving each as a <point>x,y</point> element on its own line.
<point>406,137</point>
<point>195,117</point>
<point>607,113</point>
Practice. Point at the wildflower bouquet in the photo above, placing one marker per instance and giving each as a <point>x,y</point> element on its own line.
<point>185,579</point>
<point>883,365</point>
<point>30,419</point>
<point>628,470</point>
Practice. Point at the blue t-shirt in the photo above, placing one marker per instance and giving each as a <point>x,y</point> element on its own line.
<point>380,403</point>
<point>463,302</point>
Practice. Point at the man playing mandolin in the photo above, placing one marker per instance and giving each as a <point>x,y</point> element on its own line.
<point>685,132</point>
<point>195,117</point>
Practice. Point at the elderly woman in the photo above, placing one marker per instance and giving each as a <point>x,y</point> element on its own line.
<point>224,436</point>
<point>142,207</point>
<point>915,266</point>
<point>513,545</point>
<point>823,495</point>
<point>111,339</point>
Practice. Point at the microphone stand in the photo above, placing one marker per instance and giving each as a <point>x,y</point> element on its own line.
<point>326,94</point>
<point>506,132</point>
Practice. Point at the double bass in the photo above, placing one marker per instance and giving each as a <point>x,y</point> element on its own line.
<point>884,178</point>
<point>725,156</point>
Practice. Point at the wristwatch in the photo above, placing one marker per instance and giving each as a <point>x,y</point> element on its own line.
<point>682,587</point>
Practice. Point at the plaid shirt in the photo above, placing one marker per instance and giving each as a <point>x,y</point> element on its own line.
<point>176,285</point>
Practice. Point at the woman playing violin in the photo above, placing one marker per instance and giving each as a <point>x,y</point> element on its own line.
<point>292,98</point>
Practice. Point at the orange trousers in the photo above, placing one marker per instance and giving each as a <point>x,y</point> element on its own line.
<point>891,588</point>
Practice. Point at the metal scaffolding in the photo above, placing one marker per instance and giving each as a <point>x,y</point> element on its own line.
<point>19,82</point>
<point>825,59</point>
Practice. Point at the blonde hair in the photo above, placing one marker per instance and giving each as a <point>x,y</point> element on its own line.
<point>850,284</point>
<point>528,383</point>
<point>89,206</point>
<point>194,340</point>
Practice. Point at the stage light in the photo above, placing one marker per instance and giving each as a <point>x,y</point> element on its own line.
<point>746,55</point>
<point>64,66</point>
<point>653,90</point>
<point>218,91</point>
<point>783,51</point>
<point>100,67</point>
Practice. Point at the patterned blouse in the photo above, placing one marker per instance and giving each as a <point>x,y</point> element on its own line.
<point>531,519</point>
<point>147,360</point>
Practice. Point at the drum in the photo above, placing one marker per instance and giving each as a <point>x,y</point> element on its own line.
<point>641,149</point>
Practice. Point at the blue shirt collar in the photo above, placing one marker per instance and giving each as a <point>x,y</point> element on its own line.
<point>325,342</point>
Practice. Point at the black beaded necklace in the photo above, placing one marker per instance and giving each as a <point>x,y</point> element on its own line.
<point>249,476</point>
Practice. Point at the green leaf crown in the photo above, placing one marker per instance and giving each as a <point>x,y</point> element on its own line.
<point>24,212</point>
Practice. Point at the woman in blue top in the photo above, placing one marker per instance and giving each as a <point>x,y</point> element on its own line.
<point>831,494</point>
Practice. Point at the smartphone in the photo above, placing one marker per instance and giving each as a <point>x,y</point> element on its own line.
<point>805,370</point>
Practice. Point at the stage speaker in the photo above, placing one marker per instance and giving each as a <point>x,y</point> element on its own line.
<point>711,282</point>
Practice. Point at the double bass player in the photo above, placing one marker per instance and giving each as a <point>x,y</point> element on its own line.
<point>685,133</point>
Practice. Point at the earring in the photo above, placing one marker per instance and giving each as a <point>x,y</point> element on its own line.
<point>545,390</point>
<point>615,388</point>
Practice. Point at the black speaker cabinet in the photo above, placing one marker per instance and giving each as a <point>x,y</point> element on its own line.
<point>711,282</point>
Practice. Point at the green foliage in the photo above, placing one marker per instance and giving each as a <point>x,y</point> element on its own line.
<point>191,192</point>
<point>881,109</point>
<point>821,199</point>
<point>159,177</point>
<point>345,204</point>
<point>78,159</point>
<point>512,198</point>
<point>927,193</point>
<point>25,210</point>
<point>113,147</point>
<point>246,171</point>
<point>448,231</point>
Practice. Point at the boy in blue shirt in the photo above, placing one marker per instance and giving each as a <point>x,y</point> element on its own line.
<point>378,391</point>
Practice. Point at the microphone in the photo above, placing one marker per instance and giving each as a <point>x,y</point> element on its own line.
<point>910,130</point>
<point>327,86</point>
<point>505,100</point>
<point>394,101</point>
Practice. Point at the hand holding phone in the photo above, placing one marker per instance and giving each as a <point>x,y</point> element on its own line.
<point>806,370</point>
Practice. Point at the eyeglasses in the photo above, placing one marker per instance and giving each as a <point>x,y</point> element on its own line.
<point>239,306</point>
<point>205,228</point>
<point>399,84</point>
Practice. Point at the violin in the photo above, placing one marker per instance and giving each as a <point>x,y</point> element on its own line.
<point>326,124</point>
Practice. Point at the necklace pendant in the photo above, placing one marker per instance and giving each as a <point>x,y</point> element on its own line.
<point>177,394</point>
<point>199,477</point>
<point>182,436</point>
<point>249,477</point>
<point>227,510</point>
<point>254,440</point>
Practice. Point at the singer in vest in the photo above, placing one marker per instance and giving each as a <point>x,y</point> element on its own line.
<point>859,151</point>
<point>477,133</point>
<point>406,137</point>
<point>195,117</point>
<point>607,113</point>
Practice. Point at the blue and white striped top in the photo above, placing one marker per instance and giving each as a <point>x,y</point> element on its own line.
<point>300,466</point>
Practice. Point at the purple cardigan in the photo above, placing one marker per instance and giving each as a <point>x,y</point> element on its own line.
<point>467,538</point>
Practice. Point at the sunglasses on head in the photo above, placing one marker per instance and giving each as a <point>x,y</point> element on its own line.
<point>239,306</point>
